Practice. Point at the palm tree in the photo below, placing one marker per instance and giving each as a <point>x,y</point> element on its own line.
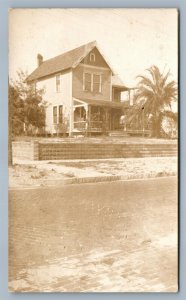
<point>153,98</point>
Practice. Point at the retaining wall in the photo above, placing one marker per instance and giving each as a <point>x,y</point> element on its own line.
<point>55,151</point>
<point>25,150</point>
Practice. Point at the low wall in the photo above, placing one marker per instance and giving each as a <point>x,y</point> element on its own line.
<point>25,150</point>
<point>55,151</point>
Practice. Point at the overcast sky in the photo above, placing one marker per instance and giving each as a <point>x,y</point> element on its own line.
<point>131,39</point>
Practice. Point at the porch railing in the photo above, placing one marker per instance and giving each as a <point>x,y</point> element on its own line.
<point>80,125</point>
<point>90,126</point>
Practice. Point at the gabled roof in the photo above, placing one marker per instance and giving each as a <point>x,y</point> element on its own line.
<point>62,62</point>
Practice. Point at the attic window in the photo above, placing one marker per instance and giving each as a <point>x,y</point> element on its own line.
<point>92,57</point>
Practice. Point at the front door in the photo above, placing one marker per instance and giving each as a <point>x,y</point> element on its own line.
<point>115,119</point>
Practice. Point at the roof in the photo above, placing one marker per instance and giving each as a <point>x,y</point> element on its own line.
<point>117,82</point>
<point>103,103</point>
<point>62,62</point>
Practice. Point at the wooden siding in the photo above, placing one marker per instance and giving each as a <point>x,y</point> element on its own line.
<point>53,98</point>
<point>99,60</point>
<point>77,83</point>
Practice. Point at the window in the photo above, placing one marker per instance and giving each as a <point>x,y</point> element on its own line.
<point>92,83</point>
<point>58,83</point>
<point>97,83</point>
<point>55,114</point>
<point>87,81</point>
<point>60,114</point>
<point>92,57</point>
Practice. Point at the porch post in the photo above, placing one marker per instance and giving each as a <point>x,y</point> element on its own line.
<point>71,119</point>
<point>104,120</point>
<point>87,118</point>
<point>71,102</point>
<point>131,96</point>
<point>107,119</point>
<point>110,119</point>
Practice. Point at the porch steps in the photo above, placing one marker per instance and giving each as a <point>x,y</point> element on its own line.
<point>119,133</point>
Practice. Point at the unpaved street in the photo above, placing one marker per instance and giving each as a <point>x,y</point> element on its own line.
<point>118,236</point>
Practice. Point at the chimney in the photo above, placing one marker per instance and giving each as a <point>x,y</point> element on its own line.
<point>39,59</point>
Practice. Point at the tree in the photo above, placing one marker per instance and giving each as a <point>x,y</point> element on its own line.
<point>153,98</point>
<point>16,111</point>
<point>170,125</point>
<point>32,99</point>
<point>15,118</point>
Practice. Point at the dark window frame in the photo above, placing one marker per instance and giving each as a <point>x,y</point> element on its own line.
<point>87,82</point>
<point>93,83</point>
<point>58,83</point>
<point>54,114</point>
<point>60,114</point>
<point>97,87</point>
<point>92,57</point>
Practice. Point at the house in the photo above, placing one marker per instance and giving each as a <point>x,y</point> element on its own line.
<point>82,91</point>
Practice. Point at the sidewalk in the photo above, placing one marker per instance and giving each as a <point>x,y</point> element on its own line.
<point>25,173</point>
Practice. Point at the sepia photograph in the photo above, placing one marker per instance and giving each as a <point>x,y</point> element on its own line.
<point>93,150</point>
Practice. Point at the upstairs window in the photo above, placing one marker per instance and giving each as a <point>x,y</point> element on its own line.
<point>92,83</point>
<point>87,82</point>
<point>92,57</point>
<point>60,114</point>
<point>96,83</point>
<point>55,115</point>
<point>58,83</point>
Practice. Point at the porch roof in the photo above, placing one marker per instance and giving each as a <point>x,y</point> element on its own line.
<point>102,103</point>
<point>117,83</point>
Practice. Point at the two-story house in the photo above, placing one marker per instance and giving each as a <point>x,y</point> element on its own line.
<point>82,91</point>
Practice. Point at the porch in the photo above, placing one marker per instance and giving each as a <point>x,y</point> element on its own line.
<point>96,116</point>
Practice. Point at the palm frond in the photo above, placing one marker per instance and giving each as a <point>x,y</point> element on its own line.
<point>154,96</point>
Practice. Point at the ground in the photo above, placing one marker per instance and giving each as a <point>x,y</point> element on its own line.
<point>116,236</point>
<point>44,173</point>
<point>119,236</point>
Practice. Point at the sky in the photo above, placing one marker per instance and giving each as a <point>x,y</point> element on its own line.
<point>131,40</point>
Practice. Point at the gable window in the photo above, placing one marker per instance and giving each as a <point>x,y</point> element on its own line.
<point>58,83</point>
<point>96,83</point>
<point>60,114</point>
<point>87,82</point>
<point>92,57</point>
<point>54,114</point>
